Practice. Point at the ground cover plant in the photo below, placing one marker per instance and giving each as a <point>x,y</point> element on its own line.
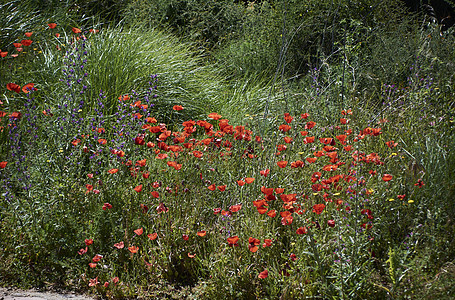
<point>130,168</point>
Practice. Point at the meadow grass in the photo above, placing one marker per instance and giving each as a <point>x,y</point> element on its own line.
<point>132,168</point>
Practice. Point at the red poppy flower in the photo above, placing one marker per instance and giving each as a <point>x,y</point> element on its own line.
<point>267,243</point>
<point>138,188</point>
<point>264,274</point>
<point>240,182</point>
<point>265,172</point>
<point>202,233</point>
<point>139,231</point>
<point>133,249</point>
<point>93,282</point>
<point>107,206</point>
<point>177,107</point>
<point>288,198</point>
<point>89,187</point>
<point>387,177</point>
<point>97,258</point>
<point>327,141</point>
<point>282,164</point>
<point>279,190</point>
<point>342,138</point>
<point>76,30</point>
<point>212,187</point>
<point>197,154</point>
<point>401,197</point>
<point>287,140</point>
<point>232,241</point>
<point>318,208</point>
<point>331,223</point>
<point>124,98</point>
<point>15,115</point>
<point>17,45</point>
<point>419,183</point>
<point>88,242</point>
<point>271,213</point>
<point>174,164</point>
<point>376,131</point>
<point>284,128</point>
<point>141,163</point>
<point>343,121</point>
<point>14,87</point>
<point>152,236</point>
<point>259,203</point>
<point>156,184</point>
<point>235,208</point>
<point>249,180</point>
<point>222,188</point>
<point>3,54</point>
<point>119,245</point>
<point>155,194</point>
<point>391,144</point>
<point>311,159</point>
<point>112,171</point>
<point>26,42</point>
<point>162,156</point>
<point>310,125</point>
<point>288,118</point>
<point>253,244</point>
<point>185,237</point>
<point>214,116</point>
<point>261,210</point>
<point>304,116</point>
<point>297,164</point>
<point>308,140</point>
<point>301,230</point>
<point>162,208</point>
<point>3,164</point>
<point>82,251</point>
<point>52,25</point>
<point>330,168</point>
<point>286,217</point>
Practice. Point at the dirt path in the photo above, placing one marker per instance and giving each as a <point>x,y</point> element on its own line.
<point>15,294</point>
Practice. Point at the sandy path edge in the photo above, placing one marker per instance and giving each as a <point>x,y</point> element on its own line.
<point>17,294</point>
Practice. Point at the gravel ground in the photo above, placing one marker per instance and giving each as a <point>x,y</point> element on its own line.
<point>15,294</point>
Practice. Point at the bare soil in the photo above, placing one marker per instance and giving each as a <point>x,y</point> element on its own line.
<point>15,294</point>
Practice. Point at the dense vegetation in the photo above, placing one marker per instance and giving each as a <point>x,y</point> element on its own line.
<point>222,149</point>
